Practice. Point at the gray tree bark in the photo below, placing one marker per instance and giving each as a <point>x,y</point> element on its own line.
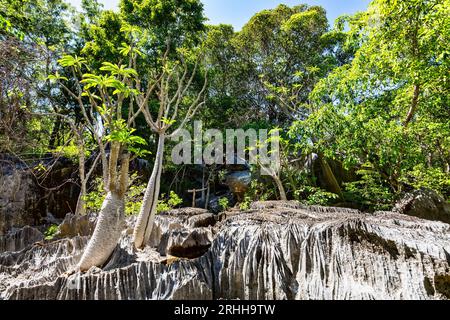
<point>106,234</point>
<point>280,187</point>
<point>111,218</point>
<point>144,224</point>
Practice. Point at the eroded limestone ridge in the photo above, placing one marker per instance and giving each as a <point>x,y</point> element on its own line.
<point>275,250</point>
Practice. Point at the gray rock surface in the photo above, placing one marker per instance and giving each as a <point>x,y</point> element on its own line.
<point>17,193</point>
<point>76,225</point>
<point>276,250</point>
<point>425,204</point>
<point>19,239</point>
<point>25,201</point>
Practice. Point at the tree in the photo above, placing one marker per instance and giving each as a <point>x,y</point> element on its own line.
<point>385,112</point>
<point>180,22</point>
<point>173,85</point>
<point>34,35</point>
<point>106,93</point>
<point>281,52</point>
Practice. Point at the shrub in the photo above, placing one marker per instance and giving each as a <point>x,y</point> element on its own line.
<point>314,196</point>
<point>166,204</point>
<point>224,203</point>
<point>50,233</point>
<point>370,192</point>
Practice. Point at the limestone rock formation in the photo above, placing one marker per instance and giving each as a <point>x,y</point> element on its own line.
<point>17,194</point>
<point>276,250</point>
<point>19,239</point>
<point>76,225</point>
<point>425,204</point>
<point>24,201</point>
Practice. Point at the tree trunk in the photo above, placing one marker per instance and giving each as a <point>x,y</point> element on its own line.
<point>110,222</point>
<point>414,104</point>
<point>330,179</point>
<point>106,234</point>
<point>144,224</point>
<point>105,168</point>
<point>280,187</point>
<point>81,205</point>
<point>52,144</point>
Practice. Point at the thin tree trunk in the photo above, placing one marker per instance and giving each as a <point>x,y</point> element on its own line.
<point>207,196</point>
<point>414,104</point>
<point>84,177</point>
<point>144,224</point>
<point>280,187</point>
<point>81,203</point>
<point>81,206</point>
<point>203,186</point>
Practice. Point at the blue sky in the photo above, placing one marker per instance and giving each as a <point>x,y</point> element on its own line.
<point>238,12</point>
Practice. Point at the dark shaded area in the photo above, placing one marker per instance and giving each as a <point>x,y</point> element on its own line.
<point>442,284</point>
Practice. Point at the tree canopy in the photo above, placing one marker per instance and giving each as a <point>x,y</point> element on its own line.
<point>361,104</point>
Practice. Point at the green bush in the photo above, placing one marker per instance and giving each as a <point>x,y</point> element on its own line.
<point>371,192</point>
<point>314,196</point>
<point>224,203</point>
<point>422,177</point>
<point>245,205</point>
<point>50,233</point>
<point>133,199</point>
<point>166,204</point>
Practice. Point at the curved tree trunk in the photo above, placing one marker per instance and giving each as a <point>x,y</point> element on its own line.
<point>144,224</point>
<point>106,234</point>
<point>280,187</point>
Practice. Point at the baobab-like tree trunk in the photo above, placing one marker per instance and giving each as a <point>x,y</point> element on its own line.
<point>144,224</point>
<point>111,219</point>
<point>106,234</point>
<point>169,104</point>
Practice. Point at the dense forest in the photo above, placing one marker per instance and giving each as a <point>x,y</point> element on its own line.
<point>361,104</point>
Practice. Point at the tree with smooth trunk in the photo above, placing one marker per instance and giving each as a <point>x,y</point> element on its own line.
<point>173,85</point>
<point>102,98</point>
<point>269,161</point>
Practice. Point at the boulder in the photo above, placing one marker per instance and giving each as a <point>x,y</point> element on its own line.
<point>185,243</point>
<point>425,204</point>
<point>76,225</point>
<point>239,182</point>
